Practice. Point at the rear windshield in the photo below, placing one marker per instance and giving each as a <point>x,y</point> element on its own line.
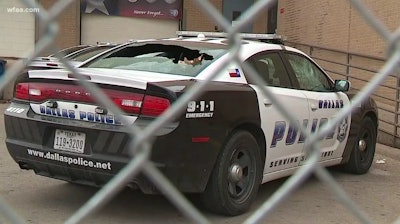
<point>161,58</point>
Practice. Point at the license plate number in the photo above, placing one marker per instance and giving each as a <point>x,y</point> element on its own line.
<point>70,141</point>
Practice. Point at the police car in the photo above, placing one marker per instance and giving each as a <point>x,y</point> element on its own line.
<point>224,144</point>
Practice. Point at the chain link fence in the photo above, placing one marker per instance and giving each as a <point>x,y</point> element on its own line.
<point>141,147</point>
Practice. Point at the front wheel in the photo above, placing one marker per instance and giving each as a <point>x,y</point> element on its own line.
<point>236,176</point>
<point>363,151</point>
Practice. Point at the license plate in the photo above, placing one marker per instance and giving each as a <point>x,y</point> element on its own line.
<point>70,141</point>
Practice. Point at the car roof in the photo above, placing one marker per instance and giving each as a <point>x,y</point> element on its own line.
<point>86,53</point>
<point>250,40</point>
<point>69,50</point>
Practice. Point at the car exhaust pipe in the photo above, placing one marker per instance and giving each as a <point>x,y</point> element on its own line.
<point>24,166</point>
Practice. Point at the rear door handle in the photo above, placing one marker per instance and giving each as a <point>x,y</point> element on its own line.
<point>267,102</point>
<point>314,107</point>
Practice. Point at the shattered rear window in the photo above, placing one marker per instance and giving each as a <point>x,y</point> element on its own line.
<point>161,58</point>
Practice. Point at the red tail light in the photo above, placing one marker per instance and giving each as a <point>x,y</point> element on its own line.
<point>154,106</point>
<point>52,64</point>
<point>22,91</point>
<point>128,102</point>
<point>131,103</point>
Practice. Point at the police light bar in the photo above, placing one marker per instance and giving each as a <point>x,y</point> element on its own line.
<point>258,36</point>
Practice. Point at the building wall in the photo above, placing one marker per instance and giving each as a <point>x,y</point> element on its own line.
<point>260,22</point>
<point>17,30</point>
<point>363,38</point>
<point>68,22</point>
<point>336,24</point>
<point>196,20</point>
<point>332,24</point>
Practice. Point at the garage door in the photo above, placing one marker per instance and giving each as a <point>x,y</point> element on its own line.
<point>100,28</point>
<point>17,29</point>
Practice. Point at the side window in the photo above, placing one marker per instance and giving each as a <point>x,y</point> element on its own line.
<point>309,76</point>
<point>271,69</point>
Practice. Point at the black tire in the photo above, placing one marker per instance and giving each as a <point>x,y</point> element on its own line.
<point>363,151</point>
<point>228,192</point>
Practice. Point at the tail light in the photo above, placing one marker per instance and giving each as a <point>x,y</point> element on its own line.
<point>22,91</point>
<point>154,106</point>
<point>131,103</point>
<point>52,64</point>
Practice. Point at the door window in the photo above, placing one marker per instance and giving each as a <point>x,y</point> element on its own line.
<point>270,67</point>
<point>309,76</point>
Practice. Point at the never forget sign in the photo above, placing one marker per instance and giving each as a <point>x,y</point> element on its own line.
<point>158,9</point>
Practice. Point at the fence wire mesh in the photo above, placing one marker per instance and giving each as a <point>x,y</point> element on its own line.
<point>141,147</point>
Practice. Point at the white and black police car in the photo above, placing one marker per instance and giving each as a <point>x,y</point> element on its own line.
<point>224,145</point>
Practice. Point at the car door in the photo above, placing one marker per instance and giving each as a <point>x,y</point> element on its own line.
<point>324,103</point>
<point>284,147</point>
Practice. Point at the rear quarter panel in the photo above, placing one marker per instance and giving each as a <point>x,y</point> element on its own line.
<point>233,105</point>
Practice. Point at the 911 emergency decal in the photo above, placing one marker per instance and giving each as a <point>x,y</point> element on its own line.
<point>200,109</point>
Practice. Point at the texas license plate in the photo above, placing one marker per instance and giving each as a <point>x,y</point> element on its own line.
<point>70,141</point>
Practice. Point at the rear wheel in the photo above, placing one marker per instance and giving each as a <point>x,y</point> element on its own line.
<point>363,151</point>
<point>236,177</point>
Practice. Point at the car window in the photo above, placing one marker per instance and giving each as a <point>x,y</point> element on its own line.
<point>309,76</point>
<point>271,69</point>
<point>171,59</point>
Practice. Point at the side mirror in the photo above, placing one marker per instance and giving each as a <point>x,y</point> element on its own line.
<point>342,85</point>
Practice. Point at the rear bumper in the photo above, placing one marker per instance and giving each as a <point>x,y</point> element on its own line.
<point>75,169</point>
<point>30,139</point>
<point>30,143</point>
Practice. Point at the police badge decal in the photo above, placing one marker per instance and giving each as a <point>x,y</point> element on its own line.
<point>342,130</point>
